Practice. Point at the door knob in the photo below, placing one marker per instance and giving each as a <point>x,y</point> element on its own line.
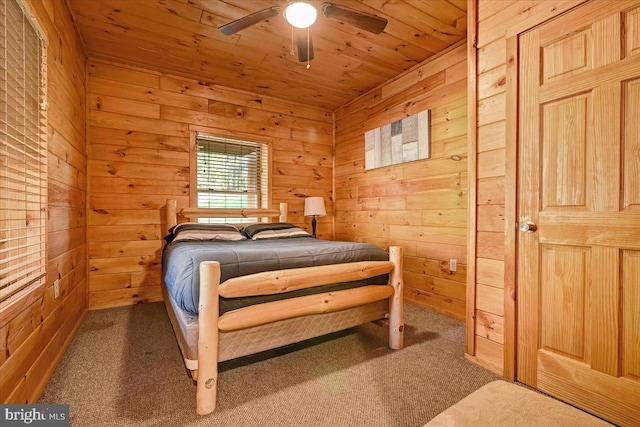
<point>528,227</point>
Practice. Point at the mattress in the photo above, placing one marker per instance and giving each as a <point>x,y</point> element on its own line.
<point>181,262</point>
<point>243,342</point>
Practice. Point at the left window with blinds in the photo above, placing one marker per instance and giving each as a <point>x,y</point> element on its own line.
<point>23,152</point>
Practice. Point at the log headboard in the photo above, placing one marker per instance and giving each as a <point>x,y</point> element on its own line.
<point>192,214</point>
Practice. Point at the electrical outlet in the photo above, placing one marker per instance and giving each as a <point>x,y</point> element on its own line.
<point>453,265</point>
<point>56,288</point>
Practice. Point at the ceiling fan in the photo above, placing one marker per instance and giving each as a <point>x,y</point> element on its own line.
<point>302,15</point>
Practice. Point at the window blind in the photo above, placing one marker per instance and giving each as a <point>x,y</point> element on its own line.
<point>231,174</point>
<point>23,152</point>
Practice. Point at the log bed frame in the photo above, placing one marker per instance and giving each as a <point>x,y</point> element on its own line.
<point>214,330</point>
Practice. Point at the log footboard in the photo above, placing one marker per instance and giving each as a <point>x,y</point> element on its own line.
<point>210,324</point>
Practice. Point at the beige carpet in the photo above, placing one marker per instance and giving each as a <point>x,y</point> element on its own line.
<point>124,368</point>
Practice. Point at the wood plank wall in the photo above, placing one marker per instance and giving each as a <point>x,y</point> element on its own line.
<point>33,341</point>
<point>422,205</point>
<point>497,21</point>
<point>138,156</point>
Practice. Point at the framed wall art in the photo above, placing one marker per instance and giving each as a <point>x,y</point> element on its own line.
<point>402,141</point>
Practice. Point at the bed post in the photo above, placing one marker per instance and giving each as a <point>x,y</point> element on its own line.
<point>396,311</point>
<point>208,337</point>
<point>172,214</point>
<point>284,207</point>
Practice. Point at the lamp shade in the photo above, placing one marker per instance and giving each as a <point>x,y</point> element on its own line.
<point>314,206</point>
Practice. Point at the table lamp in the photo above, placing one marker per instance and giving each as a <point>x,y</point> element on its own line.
<point>314,206</point>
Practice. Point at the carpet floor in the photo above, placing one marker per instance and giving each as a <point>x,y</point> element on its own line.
<point>124,368</point>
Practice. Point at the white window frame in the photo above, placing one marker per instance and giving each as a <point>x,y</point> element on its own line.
<point>262,174</point>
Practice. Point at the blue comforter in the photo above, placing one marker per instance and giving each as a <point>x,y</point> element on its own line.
<point>181,262</point>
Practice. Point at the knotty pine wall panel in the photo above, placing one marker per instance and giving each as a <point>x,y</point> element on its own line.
<point>138,157</point>
<point>35,331</point>
<point>422,205</point>
<point>497,20</point>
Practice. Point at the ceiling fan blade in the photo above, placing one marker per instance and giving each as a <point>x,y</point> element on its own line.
<point>249,20</point>
<point>364,21</point>
<point>305,51</point>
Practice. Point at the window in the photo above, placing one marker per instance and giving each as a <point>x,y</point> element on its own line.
<point>231,174</point>
<point>23,152</point>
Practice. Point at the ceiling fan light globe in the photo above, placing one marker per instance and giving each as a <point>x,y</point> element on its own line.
<point>300,14</point>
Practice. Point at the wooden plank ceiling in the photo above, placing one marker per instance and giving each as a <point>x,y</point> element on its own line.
<point>181,37</point>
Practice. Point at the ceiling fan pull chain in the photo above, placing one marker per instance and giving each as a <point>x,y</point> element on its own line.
<point>308,41</point>
<point>291,52</point>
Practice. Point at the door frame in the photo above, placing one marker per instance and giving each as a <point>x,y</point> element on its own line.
<point>512,144</point>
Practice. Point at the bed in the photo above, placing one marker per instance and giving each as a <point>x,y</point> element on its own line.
<point>227,299</point>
